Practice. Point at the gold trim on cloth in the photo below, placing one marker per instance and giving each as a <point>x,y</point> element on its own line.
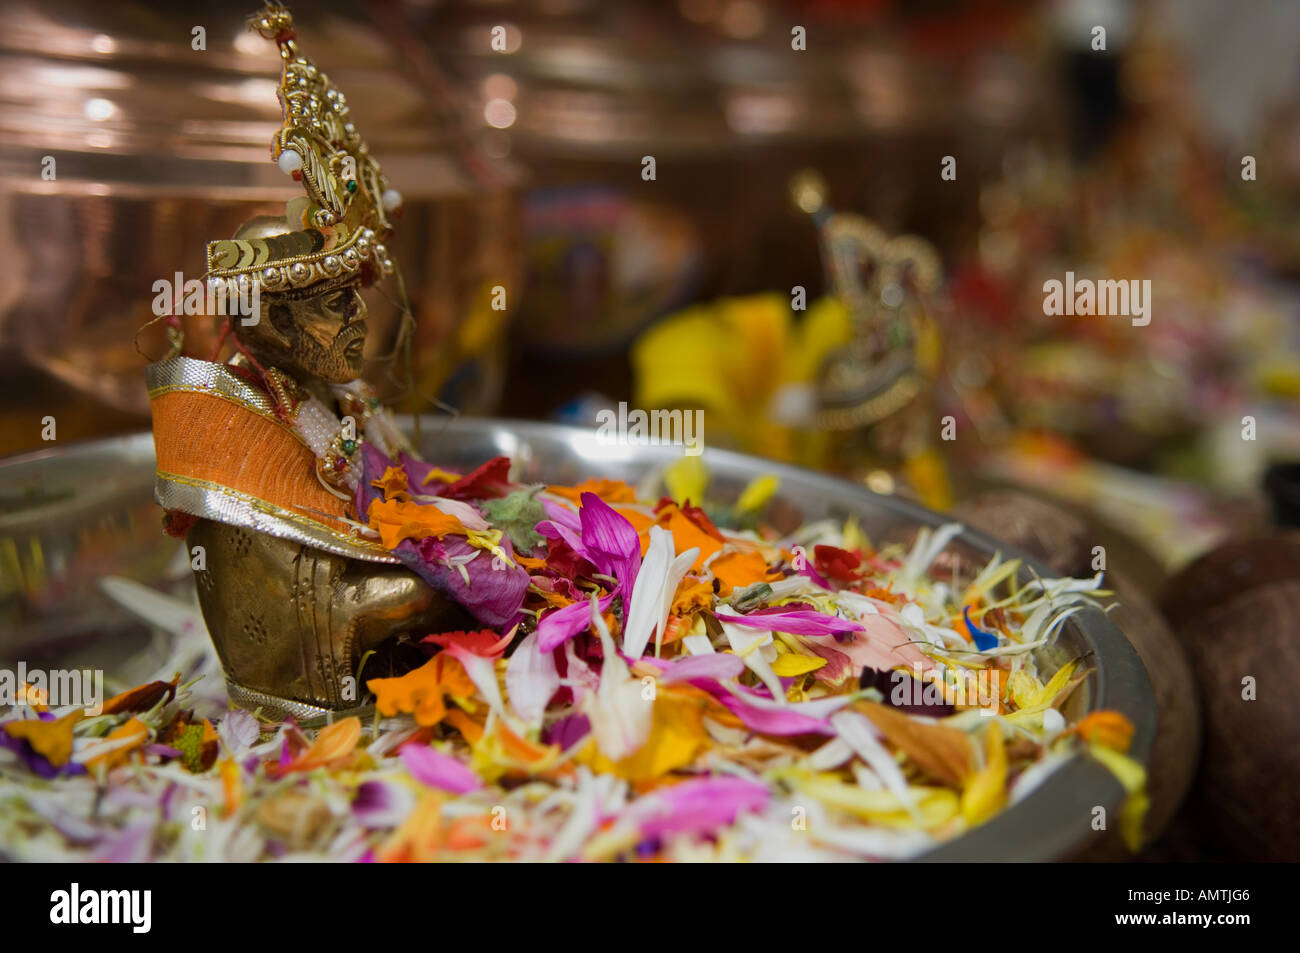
<point>189,374</point>
<point>224,455</point>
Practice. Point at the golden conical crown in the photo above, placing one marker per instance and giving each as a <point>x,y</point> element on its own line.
<point>338,228</point>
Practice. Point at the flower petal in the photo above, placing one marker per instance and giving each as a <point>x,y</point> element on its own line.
<point>795,622</point>
<point>609,541</point>
<point>560,625</point>
<point>647,596</point>
<point>698,806</point>
<point>531,679</point>
<point>438,770</point>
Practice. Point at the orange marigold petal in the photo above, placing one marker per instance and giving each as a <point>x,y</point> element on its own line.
<point>397,520</point>
<point>611,491</point>
<point>50,739</point>
<point>334,743</point>
<point>133,729</point>
<point>418,692</point>
<point>393,484</point>
<point>737,570</point>
<point>1109,728</point>
<point>467,726</point>
<point>688,535</point>
<point>692,595</point>
<point>522,749</point>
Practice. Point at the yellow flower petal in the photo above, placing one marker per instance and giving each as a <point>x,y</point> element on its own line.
<point>677,735</point>
<point>758,494</point>
<point>1024,689</point>
<point>436,475</point>
<point>937,806</point>
<point>1133,776</point>
<point>986,791</point>
<point>789,665</point>
<point>1055,686</point>
<point>687,479</point>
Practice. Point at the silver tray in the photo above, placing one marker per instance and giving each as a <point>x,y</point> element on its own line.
<point>71,515</point>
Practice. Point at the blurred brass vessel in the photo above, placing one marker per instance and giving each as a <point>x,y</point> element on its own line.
<point>124,148</point>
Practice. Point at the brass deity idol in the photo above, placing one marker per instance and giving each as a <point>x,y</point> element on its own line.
<point>260,458</point>
<point>874,398</point>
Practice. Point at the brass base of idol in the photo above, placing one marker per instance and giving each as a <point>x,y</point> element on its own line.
<point>292,624</point>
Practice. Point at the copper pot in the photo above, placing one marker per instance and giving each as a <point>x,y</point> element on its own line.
<point>124,150</point>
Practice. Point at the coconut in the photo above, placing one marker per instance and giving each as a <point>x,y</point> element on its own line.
<point>1236,612</point>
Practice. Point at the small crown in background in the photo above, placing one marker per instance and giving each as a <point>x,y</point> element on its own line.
<point>340,225</point>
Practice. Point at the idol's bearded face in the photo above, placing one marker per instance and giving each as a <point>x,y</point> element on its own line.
<point>321,335</point>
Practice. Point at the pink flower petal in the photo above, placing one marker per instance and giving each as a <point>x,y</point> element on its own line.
<point>882,644</point>
<point>563,524</point>
<point>774,721</point>
<point>438,770</point>
<point>699,806</point>
<point>610,542</point>
<point>719,665</point>
<point>766,716</point>
<point>559,625</point>
<point>796,622</point>
<point>531,679</point>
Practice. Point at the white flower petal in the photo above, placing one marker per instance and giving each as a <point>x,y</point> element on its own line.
<point>531,680</point>
<point>619,712</point>
<point>860,733</point>
<point>644,605</point>
<point>749,645</point>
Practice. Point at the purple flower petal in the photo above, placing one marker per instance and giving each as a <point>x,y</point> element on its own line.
<point>373,465</point>
<point>438,770</point>
<point>719,665</point>
<point>495,591</point>
<point>78,830</point>
<point>239,730</point>
<point>610,542</point>
<point>416,472</point>
<point>902,691</point>
<point>559,625</point>
<point>132,845</point>
<point>568,731</point>
<point>382,803</point>
<point>797,622</point>
<point>698,806</point>
<point>38,764</point>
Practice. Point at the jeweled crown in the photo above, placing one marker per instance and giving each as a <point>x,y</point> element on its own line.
<point>338,228</point>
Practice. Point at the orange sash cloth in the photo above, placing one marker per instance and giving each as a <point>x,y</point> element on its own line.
<point>214,440</point>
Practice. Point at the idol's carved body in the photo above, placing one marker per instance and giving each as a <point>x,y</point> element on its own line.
<point>262,460</point>
<point>291,622</point>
